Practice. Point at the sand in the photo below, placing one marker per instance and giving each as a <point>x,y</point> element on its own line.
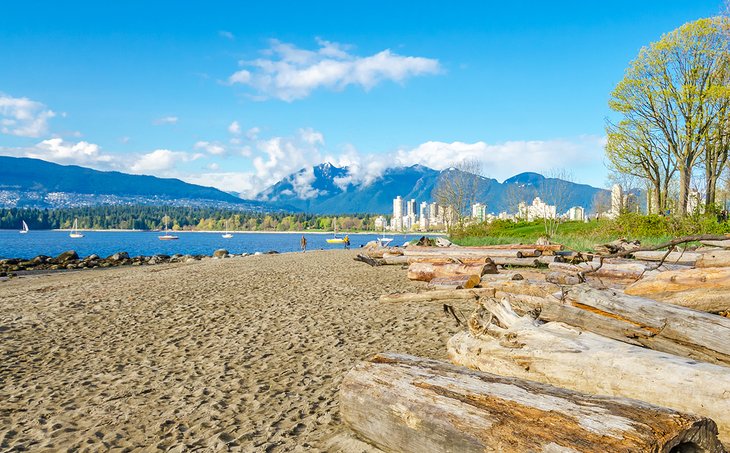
<point>241,354</point>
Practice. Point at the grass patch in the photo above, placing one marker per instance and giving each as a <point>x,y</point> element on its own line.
<point>582,236</point>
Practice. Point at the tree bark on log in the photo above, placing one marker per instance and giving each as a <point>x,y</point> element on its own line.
<point>622,271</point>
<point>673,257</point>
<point>502,342</point>
<point>706,289</point>
<point>714,259</point>
<point>455,282</point>
<point>395,260</point>
<point>439,295</point>
<point>428,271</point>
<point>410,404</point>
<point>645,322</point>
<point>469,251</point>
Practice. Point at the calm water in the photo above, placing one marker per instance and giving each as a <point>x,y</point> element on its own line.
<point>104,243</point>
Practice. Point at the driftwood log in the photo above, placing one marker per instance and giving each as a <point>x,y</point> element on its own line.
<point>719,258</point>
<point>501,342</point>
<point>722,243</point>
<point>439,295</point>
<point>545,248</point>
<point>645,322</point>
<point>368,260</point>
<point>673,257</point>
<point>620,271</point>
<point>455,282</point>
<point>471,251</point>
<point>706,289</point>
<point>428,271</point>
<point>410,404</point>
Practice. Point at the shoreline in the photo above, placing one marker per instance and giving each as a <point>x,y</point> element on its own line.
<point>375,233</point>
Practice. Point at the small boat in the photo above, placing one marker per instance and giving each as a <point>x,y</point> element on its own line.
<point>25,228</point>
<point>383,241</point>
<point>75,231</point>
<point>334,239</point>
<point>167,236</point>
<point>226,235</point>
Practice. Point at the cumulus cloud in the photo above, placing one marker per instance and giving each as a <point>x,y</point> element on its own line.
<point>235,128</point>
<point>160,160</point>
<point>62,152</point>
<point>290,73</point>
<point>504,160</point>
<point>23,117</point>
<point>214,148</point>
<point>165,120</point>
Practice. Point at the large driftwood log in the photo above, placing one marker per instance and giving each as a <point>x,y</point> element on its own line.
<point>395,260</point>
<point>518,262</point>
<point>706,289</point>
<point>723,244</point>
<point>470,251</point>
<point>410,404</point>
<point>455,282</point>
<point>621,271</point>
<point>439,295</point>
<point>500,341</point>
<point>714,259</point>
<point>640,321</point>
<point>447,259</point>
<point>428,271</point>
<point>672,257</point>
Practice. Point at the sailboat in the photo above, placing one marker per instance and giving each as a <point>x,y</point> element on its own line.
<point>25,228</point>
<point>383,240</point>
<point>167,236</point>
<point>335,239</point>
<point>75,230</point>
<point>226,235</point>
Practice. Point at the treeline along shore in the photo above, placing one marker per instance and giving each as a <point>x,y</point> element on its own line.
<point>178,218</point>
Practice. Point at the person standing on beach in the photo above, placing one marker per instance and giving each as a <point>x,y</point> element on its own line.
<point>303,244</point>
<point>347,242</point>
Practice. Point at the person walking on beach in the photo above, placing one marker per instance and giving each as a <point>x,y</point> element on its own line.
<point>303,244</point>
<point>347,242</point>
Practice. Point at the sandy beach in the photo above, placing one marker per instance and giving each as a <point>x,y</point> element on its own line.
<point>241,354</point>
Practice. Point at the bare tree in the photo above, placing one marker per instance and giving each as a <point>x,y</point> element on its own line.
<point>457,189</point>
<point>555,190</point>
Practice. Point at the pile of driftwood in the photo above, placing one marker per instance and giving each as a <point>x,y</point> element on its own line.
<point>626,350</point>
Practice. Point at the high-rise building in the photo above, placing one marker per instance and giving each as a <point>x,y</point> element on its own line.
<point>479,212</point>
<point>576,213</point>
<point>617,200</point>
<point>423,217</point>
<point>396,223</point>
<point>433,214</point>
<point>411,208</point>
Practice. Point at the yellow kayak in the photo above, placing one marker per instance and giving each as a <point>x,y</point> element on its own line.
<point>335,241</point>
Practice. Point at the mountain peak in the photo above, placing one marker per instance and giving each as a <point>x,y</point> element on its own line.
<point>527,178</point>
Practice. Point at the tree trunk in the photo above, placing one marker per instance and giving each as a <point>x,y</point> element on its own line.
<point>673,257</point>
<point>640,321</point>
<point>501,342</point>
<point>720,258</point>
<point>428,271</point>
<point>402,403</point>
<point>439,295</point>
<point>685,178</point>
<point>706,289</point>
<point>455,282</point>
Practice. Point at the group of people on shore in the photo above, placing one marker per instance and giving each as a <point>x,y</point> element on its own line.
<point>303,243</point>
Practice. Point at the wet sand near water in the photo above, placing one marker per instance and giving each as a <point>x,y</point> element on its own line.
<point>241,354</point>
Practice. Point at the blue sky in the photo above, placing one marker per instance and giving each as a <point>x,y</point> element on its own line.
<point>239,94</point>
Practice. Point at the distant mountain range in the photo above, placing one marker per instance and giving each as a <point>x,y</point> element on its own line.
<point>36,183</point>
<point>324,190</point>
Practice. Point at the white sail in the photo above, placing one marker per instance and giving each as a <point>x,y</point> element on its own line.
<point>75,230</point>
<point>25,228</point>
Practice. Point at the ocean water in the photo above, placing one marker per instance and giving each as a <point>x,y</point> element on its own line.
<point>105,243</point>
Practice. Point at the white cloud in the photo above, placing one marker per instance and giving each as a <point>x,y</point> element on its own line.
<point>23,117</point>
<point>291,73</point>
<point>226,34</point>
<point>253,133</point>
<point>214,148</point>
<point>234,128</point>
<point>166,120</point>
<point>81,153</point>
<point>503,160</point>
<point>159,160</point>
